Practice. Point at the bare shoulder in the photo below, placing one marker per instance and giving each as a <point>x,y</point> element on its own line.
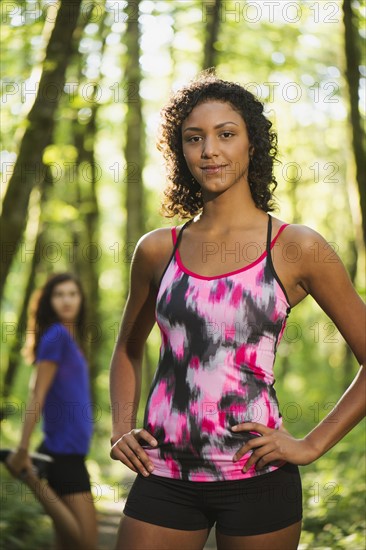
<point>307,244</point>
<point>308,257</point>
<point>152,243</point>
<point>152,248</point>
<point>299,233</point>
<point>315,262</point>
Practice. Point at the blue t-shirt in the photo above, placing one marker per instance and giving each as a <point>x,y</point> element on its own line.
<point>68,411</point>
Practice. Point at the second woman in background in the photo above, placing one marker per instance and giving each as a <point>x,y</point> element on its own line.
<point>60,389</point>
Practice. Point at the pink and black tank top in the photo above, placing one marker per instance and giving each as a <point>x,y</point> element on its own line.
<point>219,337</point>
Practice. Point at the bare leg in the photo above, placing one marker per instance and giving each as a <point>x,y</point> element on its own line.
<point>73,515</point>
<point>82,507</point>
<point>287,538</point>
<point>134,534</point>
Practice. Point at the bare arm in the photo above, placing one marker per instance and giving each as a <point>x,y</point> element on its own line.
<point>326,279</point>
<point>125,372</point>
<point>330,285</point>
<point>39,386</point>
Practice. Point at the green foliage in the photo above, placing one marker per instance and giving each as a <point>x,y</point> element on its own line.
<point>315,188</point>
<point>23,525</point>
<point>334,490</point>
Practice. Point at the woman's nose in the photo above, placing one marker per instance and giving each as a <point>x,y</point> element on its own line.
<point>209,149</point>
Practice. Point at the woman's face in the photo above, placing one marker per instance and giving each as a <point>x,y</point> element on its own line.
<point>66,301</point>
<point>215,134</point>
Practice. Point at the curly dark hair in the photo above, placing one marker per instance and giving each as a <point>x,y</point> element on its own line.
<point>183,196</point>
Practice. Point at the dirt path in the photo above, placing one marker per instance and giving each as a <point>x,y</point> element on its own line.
<point>107,526</point>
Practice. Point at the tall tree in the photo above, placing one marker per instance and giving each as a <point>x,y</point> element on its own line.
<point>87,258</point>
<point>38,134</point>
<point>87,264</point>
<point>21,326</point>
<point>353,61</point>
<point>212,17</point>
<point>134,150</point>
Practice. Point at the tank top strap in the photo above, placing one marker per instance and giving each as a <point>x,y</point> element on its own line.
<point>269,245</point>
<point>176,242</point>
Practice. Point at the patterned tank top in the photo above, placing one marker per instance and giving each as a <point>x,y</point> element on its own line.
<point>219,337</point>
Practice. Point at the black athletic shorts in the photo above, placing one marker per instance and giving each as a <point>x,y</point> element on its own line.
<point>243,507</point>
<point>67,473</point>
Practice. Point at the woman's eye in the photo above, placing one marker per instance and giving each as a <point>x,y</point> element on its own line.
<point>226,134</point>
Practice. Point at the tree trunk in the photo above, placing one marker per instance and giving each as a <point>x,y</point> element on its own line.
<point>134,151</point>
<point>88,251</point>
<point>16,346</point>
<point>212,19</point>
<point>134,154</point>
<point>353,61</point>
<point>87,259</point>
<point>38,134</point>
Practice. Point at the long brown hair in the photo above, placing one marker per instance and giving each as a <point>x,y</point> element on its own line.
<point>42,315</point>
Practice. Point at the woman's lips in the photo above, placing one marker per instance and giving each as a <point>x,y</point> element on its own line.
<point>210,171</point>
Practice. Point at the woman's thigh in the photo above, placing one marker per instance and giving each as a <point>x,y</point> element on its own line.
<point>134,534</point>
<point>283,539</point>
<point>82,507</point>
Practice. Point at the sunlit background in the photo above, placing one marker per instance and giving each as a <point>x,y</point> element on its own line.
<point>291,55</point>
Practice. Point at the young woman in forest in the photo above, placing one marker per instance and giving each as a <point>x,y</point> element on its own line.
<point>60,388</point>
<point>212,447</point>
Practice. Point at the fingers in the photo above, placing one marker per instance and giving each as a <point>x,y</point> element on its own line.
<point>129,451</point>
<point>260,447</point>
<point>18,469</point>
<point>260,457</point>
<point>267,458</point>
<point>264,450</point>
<point>250,445</point>
<point>118,454</point>
<point>252,426</point>
<point>139,458</point>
